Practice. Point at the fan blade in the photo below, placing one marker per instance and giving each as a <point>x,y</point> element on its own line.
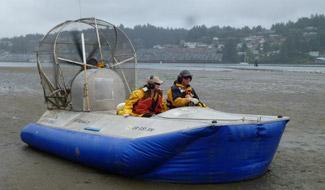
<point>75,62</point>
<point>77,42</point>
<point>92,53</point>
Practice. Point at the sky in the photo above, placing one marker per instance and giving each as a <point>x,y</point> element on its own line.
<point>20,17</point>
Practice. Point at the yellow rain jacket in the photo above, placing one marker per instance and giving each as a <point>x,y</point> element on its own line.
<point>176,96</point>
<point>135,97</point>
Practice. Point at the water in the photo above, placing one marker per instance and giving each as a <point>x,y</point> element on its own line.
<point>17,64</point>
<point>225,67</point>
<point>208,66</point>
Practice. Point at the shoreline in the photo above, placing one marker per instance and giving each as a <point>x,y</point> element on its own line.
<point>192,62</point>
<point>317,69</point>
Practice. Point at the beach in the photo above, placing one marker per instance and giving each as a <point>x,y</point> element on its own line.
<point>298,164</point>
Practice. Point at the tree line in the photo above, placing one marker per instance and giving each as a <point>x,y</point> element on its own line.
<point>305,35</point>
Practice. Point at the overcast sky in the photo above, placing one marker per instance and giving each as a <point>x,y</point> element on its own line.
<point>19,17</point>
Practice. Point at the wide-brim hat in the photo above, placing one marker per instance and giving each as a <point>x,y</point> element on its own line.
<point>154,79</point>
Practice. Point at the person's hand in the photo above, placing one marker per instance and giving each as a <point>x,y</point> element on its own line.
<point>189,98</point>
<point>195,101</point>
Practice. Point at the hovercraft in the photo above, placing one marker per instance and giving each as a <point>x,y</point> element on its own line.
<point>182,145</point>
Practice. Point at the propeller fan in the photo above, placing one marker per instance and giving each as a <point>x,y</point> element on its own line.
<point>77,42</point>
<point>77,45</point>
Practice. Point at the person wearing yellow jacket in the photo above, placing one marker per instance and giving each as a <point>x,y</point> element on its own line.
<point>181,93</point>
<point>146,101</point>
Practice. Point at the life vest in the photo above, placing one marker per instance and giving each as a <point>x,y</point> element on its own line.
<point>188,91</point>
<point>183,91</point>
<point>179,91</point>
<point>144,106</point>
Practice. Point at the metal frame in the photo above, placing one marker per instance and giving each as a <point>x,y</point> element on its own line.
<point>59,98</point>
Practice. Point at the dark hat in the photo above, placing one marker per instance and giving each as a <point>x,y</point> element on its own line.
<point>185,73</point>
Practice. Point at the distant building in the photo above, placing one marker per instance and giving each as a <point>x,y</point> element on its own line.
<point>241,53</point>
<point>190,44</point>
<point>4,42</point>
<point>202,45</point>
<point>313,53</point>
<point>158,47</point>
<point>239,45</point>
<point>310,28</point>
<point>196,45</point>
<point>310,34</point>
<point>215,39</point>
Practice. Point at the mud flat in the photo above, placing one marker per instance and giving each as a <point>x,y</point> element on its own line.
<point>298,164</point>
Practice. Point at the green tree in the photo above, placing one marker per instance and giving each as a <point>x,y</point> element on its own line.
<point>229,51</point>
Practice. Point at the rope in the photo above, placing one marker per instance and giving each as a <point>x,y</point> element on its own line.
<point>215,119</point>
<point>85,70</point>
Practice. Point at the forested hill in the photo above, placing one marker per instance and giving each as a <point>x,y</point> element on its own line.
<point>300,41</point>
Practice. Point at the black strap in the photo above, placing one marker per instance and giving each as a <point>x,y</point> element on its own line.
<point>154,103</point>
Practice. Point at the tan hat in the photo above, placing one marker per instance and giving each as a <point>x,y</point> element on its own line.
<point>154,79</point>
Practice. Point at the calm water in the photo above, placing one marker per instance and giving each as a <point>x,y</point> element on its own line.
<point>207,66</point>
<point>220,67</point>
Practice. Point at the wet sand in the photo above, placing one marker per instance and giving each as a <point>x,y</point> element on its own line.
<point>298,164</point>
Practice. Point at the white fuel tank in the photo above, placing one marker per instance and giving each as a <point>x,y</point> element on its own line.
<point>105,91</point>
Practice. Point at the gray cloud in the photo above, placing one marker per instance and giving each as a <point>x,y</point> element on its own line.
<point>19,17</point>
